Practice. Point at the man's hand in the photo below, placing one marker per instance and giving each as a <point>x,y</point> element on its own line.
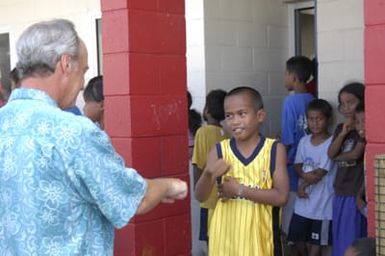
<point>177,190</point>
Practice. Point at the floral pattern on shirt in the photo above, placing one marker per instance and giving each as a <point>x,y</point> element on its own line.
<point>63,188</point>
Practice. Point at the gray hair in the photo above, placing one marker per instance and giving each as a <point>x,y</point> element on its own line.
<point>41,46</point>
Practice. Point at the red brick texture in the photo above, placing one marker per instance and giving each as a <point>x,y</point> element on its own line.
<point>374,94</point>
<point>144,49</point>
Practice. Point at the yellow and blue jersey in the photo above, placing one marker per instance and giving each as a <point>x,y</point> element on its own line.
<point>240,226</point>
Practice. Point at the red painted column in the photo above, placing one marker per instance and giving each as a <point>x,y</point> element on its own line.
<point>144,49</point>
<point>375,94</point>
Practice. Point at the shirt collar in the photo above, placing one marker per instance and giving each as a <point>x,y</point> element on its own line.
<point>31,94</point>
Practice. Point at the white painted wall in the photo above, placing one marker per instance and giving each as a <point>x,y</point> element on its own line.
<point>246,43</point>
<point>16,15</point>
<point>340,45</point>
<point>196,74</point>
<point>229,43</point>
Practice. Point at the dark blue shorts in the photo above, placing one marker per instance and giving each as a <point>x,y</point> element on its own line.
<point>317,232</point>
<point>203,236</point>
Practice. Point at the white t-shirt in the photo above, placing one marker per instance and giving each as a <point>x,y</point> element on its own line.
<point>318,205</point>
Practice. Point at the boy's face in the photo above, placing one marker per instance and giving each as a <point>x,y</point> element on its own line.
<point>289,80</point>
<point>360,123</point>
<point>317,122</point>
<point>241,116</point>
<point>94,110</point>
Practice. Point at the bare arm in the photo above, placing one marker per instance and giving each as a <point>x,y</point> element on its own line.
<point>354,154</point>
<point>161,190</point>
<point>335,146</point>
<point>298,169</point>
<point>276,196</point>
<point>197,172</point>
<point>215,167</point>
<point>361,198</point>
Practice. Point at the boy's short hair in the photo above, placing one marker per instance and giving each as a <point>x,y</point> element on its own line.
<point>214,104</point>
<point>322,106</point>
<point>300,66</point>
<point>255,96</point>
<point>94,90</point>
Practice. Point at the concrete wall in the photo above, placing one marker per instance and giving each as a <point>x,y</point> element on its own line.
<point>196,74</point>
<point>340,45</point>
<point>16,15</point>
<point>246,43</point>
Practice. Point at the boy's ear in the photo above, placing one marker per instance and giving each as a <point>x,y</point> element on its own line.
<point>261,115</point>
<point>293,77</point>
<point>102,105</point>
<point>205,111</point>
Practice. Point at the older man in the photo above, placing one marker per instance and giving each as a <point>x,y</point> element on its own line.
<point>63,188</point>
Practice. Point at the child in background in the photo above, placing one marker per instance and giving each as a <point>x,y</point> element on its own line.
<point>194,122</point>
<point>205,138</point>
<point>14,78</point>
<point>311,86</point>
<point>362,247</point>
<point>347,150</point>
<point>94,101</point>
<point>293,123</point>
<point>310,226</point>
<point>360,127</point>
<point>253,183</point>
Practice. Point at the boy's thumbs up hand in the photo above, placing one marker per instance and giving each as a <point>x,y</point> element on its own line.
<point>218,168</point>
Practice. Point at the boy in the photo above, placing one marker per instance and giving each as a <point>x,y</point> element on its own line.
<point>310,226</point>
<point>94,101</point>
<point>293,124</point>
<point>362,246</point>
<point>205,138</point>
<point>360,127</point>
<point>252,182</point>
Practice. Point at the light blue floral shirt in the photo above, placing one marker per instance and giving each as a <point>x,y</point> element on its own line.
<point>63,188</point>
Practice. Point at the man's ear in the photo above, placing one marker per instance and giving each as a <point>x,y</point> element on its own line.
<point>66,63</point>
<point>102,105</point>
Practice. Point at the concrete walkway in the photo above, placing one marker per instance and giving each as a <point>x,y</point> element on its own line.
<point>199,248</point>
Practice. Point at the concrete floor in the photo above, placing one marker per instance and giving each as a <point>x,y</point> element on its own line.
<point>199,248</point>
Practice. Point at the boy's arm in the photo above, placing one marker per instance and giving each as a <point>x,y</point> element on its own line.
<point>298,169</point>
<point>215,167</point>
<point>302,189</point>
<point>277,196</point>
<point>314,176</point>
<point>197,172</point>
<point>354,154</point>
<point>161,190</point>
<point>303,184</point>
<point>311,177</point>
